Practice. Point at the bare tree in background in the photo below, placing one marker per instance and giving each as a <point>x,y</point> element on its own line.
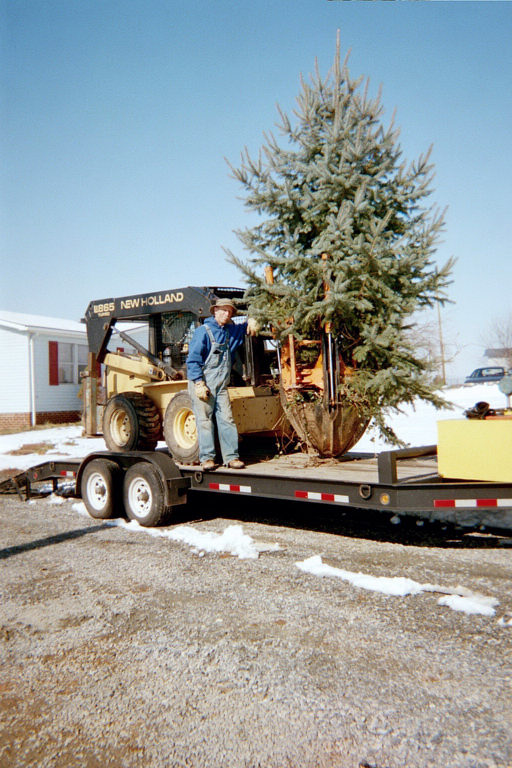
<point>499,340</point>
<point>429,339</point>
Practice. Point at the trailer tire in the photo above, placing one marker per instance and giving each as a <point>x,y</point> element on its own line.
<point>144,494</point>
<point>100,488</point>
<point>131,422</point>
<point>180,430</point>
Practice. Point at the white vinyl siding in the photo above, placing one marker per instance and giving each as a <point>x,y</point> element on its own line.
<point>19,346</point>
<point>14,372</point>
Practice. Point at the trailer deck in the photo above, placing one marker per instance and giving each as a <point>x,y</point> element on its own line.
<point>403,481</point>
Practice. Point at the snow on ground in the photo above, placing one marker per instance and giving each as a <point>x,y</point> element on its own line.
<point>61,442</point>
<point>415,426</point>
<point>459,599</point>
<point>232,540</point>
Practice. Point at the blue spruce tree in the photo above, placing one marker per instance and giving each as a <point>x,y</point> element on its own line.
<point>347,230</point>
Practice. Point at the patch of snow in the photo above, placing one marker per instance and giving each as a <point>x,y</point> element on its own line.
<point>476,604</point>
<point>397,586</point>
<point>62,442</point>
<point>232,540</point>
<point>459,600</point>
<point>55,499</point>
<point>79,506</point>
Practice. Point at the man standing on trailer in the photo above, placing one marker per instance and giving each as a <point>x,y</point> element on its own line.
<point>209,364</point>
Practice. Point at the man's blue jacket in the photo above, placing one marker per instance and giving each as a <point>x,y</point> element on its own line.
<point>200,344</point>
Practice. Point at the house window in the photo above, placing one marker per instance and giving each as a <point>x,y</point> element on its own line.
<point>82,354</point>
<point>66,361</point>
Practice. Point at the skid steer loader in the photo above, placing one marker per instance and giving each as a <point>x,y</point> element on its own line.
<point>141,397</point>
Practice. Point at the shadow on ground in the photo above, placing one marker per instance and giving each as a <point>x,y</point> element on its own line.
<point>357,523</point>
<point>49,541</point>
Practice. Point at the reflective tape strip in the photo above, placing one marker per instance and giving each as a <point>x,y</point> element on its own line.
<point>316,496</point>
<point>231,488</point>
<point>471,503</point>
<point>67,473</point>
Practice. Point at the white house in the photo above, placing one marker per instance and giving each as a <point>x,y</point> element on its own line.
<point>41,360</point>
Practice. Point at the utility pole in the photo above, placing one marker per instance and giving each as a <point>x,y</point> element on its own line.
<point>441,345</point>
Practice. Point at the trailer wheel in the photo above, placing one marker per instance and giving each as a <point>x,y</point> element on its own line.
<point>131,422</point>
<point>180,430</point>
<point>143,494</point>
<point>101,488</point>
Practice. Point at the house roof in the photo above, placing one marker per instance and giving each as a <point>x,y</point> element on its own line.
<point>20,321</point>
<point>25,323</point>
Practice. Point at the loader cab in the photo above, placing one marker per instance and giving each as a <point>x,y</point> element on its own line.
<point>169,337</point>
<point>170,333</point>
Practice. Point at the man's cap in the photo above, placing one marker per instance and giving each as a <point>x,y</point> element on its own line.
<point>223,304</point>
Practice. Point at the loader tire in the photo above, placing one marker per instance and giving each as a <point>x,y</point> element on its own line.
<point>180,431</point>
<point>131,422</point>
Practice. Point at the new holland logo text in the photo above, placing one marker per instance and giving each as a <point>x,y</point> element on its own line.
<point>151,301</point>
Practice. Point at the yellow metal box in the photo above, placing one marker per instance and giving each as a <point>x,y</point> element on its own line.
<point>475,449</point>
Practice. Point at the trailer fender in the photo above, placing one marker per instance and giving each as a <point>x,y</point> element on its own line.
<point>174,483</point>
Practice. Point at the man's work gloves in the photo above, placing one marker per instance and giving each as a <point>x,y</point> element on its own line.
<point>202,391</point>
<point>253,327</point>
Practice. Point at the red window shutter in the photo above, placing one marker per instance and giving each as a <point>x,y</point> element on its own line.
<point>53,356</point>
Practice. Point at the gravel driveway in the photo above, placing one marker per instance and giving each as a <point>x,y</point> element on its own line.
<point>120,648</point>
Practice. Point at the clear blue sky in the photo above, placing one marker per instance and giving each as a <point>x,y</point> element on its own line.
<point>117,116</point>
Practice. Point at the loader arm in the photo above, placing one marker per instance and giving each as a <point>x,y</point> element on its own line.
<point>166,369</point>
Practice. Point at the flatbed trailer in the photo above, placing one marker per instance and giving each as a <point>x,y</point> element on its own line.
<point>148,485</point>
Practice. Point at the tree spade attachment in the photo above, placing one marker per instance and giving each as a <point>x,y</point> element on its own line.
<point>312,372</point>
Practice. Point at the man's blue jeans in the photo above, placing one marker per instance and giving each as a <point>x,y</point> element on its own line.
<point>218,406</point>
